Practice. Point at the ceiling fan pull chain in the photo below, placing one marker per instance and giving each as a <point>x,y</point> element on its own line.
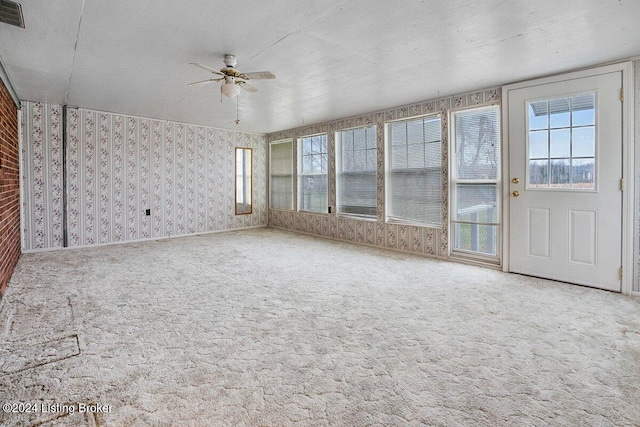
<point>237,111</point>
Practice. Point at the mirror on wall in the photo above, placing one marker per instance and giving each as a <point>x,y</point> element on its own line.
<point>243,180</point>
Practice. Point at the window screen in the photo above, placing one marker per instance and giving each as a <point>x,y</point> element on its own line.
<point>281,175</point>
<point>356,171</point>
<point>415,167</point>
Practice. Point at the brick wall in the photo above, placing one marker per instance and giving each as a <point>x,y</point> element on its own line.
<point>9,188</point>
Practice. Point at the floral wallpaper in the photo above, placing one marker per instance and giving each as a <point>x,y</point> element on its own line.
<point>119,166</point>
<point>415,239</point>
<point>42,182</point>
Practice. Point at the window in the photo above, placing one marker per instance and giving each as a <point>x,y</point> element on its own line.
<point>356,160</point>
<point>414,163</point>
<point>243,181</point>
<point>562,143</point>
<point>281,175</point>
<point>312,174</point>
<point>475,175</point>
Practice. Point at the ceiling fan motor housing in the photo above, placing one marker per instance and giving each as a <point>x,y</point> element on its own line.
<point>230,60</point>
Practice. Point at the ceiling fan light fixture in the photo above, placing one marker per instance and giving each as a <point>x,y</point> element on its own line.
<point>230,89</point>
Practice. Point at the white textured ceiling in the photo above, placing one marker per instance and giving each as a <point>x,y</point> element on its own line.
<point>332,58</point>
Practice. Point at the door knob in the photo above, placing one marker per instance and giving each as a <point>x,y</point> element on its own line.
<point>515,180</point>
<point>515,193</point>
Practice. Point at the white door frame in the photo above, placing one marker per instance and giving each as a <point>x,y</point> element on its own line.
<point>628,167</point>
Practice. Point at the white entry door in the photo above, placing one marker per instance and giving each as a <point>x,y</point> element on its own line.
<point>565,165</point>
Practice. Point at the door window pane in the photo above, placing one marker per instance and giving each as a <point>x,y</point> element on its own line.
<point>582,171</point>
<point>539,115</point>
<point>538,144</point>
<point>560,173</point>
<point>559,109</point>
<point>560,143</point>
<point>570,125</point>
<point>584,110</point>
<point>584,141</point>
<point>538,173</point>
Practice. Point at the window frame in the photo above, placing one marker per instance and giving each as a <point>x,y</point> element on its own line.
<point>454,181</point>
<point>338,172</point>
<point>301,174</point>
<point>243,194</point>
<point>388,173</point>
<point>292,198</point>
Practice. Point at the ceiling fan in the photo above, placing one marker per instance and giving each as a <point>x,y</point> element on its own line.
<point>234,80</point>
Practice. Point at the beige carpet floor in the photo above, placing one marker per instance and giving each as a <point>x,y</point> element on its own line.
<point>263,327</point>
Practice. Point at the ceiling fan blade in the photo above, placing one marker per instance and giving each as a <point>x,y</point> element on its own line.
<point>204,67</point>
<point>205,81</point>
<point>257,75</point>
<point>248,87</point>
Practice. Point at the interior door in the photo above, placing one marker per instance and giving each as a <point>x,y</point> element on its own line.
<point>565,164</point>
